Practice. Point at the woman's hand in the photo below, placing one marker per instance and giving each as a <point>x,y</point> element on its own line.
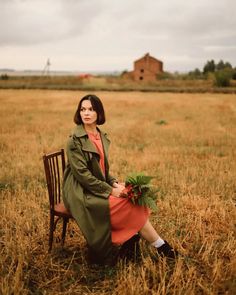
<point>117,189</point>
<point>117,184</point>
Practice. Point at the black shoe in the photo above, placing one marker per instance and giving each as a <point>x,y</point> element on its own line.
<point>95,258</point>
<point>167,251</point>
<point>130,250</point>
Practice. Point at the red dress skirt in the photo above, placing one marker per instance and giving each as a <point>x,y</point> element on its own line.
<point>126,218</point>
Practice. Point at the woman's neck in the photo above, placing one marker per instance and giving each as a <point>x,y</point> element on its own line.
<point>91,129</point>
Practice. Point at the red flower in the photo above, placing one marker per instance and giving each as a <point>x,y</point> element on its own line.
<point>127,191</point>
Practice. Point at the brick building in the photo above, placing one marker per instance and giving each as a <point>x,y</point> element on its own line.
<point>146,68</point>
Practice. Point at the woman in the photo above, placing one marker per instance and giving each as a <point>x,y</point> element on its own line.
<point>93,196</point>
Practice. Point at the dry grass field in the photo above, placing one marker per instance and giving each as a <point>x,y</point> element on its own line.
<point>187,140</point>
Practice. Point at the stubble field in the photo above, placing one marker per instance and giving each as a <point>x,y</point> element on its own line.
<point>186,140</point>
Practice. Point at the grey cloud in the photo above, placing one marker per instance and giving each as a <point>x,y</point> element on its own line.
<point>186,18</point>
<point>178,31</point>
<point>32,22</point>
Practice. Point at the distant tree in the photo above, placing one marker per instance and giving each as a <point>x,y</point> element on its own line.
<point>223,65</point>
<point>228,65</point>
<point>196,74</point>
<point>209,67</point>
<point>220,65</point>
<point>4,77</point>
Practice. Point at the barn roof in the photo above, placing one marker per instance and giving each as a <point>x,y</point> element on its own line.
<point>147,55</point>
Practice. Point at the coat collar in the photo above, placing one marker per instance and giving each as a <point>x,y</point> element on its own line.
<point>87,145</point>
<point>79,131</point>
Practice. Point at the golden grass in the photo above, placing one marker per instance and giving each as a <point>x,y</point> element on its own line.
<point>187,140</point>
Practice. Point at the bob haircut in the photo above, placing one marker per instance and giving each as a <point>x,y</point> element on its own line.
<point>97,107</point>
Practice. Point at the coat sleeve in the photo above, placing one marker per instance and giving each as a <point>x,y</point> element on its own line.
<point>81,172</point>
<point>111,179</point>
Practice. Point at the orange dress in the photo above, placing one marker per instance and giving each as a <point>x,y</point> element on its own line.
<point>126,218</point>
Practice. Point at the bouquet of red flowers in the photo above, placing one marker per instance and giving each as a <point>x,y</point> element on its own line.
<point>139,190</point>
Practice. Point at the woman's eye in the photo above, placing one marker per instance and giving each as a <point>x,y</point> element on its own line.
<point>84,109</point>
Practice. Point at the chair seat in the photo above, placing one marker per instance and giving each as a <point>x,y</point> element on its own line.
<point>60,208</point>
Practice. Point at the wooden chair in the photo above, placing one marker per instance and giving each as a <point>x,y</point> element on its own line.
<point>54,166</point>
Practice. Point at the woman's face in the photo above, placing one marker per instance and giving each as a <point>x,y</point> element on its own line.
<point>87,113</point>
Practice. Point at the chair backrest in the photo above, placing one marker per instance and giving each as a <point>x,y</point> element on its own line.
<point>54,166</point>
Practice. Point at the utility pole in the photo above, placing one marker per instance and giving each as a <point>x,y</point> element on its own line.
<point>46,70</point>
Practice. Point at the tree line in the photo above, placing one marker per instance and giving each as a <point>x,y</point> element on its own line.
<point>221,73</point>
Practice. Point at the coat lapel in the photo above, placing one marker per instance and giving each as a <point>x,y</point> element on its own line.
<point>106,143</point>
<point>87,145</point>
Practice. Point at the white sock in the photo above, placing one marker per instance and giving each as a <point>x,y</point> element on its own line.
<point>158,243</point>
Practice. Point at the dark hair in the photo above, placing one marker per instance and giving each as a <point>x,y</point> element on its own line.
<point>97,107</point>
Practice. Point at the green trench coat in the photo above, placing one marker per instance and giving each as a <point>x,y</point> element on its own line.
<point>86,191</point>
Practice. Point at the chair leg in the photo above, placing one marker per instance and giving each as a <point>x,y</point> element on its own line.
<point>51,230</point>
<point>63,236</point>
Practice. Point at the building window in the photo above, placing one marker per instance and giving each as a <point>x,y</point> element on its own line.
<point>140,78</point>
<point>142,70</point>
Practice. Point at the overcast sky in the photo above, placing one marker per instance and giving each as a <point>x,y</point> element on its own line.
<point>108,35</point>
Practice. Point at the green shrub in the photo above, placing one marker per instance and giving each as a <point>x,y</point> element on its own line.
<point>222,78</point>
<point>161,122</point>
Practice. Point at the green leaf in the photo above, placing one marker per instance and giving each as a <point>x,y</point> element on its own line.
<point>141,184</point>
